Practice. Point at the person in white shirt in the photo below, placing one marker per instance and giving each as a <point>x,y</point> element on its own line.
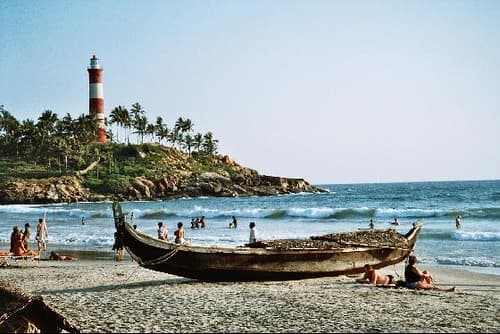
<point>253,233</point>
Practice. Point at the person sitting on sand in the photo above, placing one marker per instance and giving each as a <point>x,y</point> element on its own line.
<point>373,276</point>
<point>162,232</point>
<point>60,257</point>
<point>14,236</point>
<point>416,279</point>
<point>19,249</point>
<point>179,234</point>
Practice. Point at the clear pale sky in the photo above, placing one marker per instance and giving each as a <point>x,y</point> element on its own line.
<point>329,91</point>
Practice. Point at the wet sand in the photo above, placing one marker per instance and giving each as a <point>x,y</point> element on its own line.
<point>107,296</point>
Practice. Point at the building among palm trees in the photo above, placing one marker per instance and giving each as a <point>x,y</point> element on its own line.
<point>96,97</point>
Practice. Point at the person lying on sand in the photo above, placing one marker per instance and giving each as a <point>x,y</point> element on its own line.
<point>416,279</point>
<point>60,257</point>
<point>373,276</point>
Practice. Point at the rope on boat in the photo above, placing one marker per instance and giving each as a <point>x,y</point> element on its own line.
<point>161,259</point>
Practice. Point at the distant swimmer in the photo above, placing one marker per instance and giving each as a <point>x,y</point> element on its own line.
<point>372,224</point>
<point>458,221</point>
<point>234,223</point>
<point>395,222</point>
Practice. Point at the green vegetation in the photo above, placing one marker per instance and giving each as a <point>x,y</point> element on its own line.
<point>55,147</point>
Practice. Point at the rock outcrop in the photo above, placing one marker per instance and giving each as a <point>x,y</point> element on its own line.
<point>227,179</point>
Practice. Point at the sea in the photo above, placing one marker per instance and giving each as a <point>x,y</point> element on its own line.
<point>342,208</point>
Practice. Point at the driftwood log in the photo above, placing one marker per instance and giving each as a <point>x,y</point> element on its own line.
<point>21,312</point>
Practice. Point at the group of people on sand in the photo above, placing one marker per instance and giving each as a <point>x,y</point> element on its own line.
<point>20,239</point>
<point>414,278</point>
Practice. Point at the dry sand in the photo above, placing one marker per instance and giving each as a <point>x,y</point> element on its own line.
<point>108,296</point>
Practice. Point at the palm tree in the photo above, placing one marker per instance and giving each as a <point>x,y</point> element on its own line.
<point>140,124</point>
<point>209,143</point>
<point>120,116</point>
<point>188,143</point>
<point>161,130</point>
<point>137,119</point>
<point>150,130</point>
<point>198,141</point>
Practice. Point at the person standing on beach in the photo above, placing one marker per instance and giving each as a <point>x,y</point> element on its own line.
<point>42,234</point>
<point>253,233</point>
<point>458,222</point>
<point>416,279</point>
<point>26,235</point>
<point>118,246</point>
<point>162,232</point>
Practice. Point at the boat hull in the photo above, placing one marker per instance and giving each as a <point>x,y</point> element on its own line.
<point>257,264</point>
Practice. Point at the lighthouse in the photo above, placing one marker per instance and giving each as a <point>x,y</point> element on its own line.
<point>96,97</point>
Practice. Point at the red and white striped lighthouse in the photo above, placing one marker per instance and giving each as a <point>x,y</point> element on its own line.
<point>96,97</point>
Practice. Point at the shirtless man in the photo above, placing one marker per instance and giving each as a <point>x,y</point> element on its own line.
<point>373,276</point>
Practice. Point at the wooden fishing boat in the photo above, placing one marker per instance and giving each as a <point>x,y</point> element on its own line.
<point>329,255</point>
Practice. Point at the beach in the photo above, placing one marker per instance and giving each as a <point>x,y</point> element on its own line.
<point>102,295</point>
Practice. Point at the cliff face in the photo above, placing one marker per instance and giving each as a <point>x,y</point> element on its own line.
<point>181,183</point>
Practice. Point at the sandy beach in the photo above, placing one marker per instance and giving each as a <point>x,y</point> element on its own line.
<point>107,296</point>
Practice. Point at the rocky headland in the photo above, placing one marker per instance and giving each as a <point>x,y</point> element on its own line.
<point>226,179</point>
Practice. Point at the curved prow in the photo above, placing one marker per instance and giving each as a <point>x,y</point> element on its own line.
<point>118,215</point>
<point>413,234</point>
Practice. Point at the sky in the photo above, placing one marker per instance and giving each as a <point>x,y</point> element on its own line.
<point>330,91</point>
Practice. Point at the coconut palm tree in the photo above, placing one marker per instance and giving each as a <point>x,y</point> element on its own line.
<point>209,143</point>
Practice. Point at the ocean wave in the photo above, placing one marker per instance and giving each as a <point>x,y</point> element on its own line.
<point>467,261</point>
<point>485,213</point>
<point>343,213</point>
<point>461,235</point>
